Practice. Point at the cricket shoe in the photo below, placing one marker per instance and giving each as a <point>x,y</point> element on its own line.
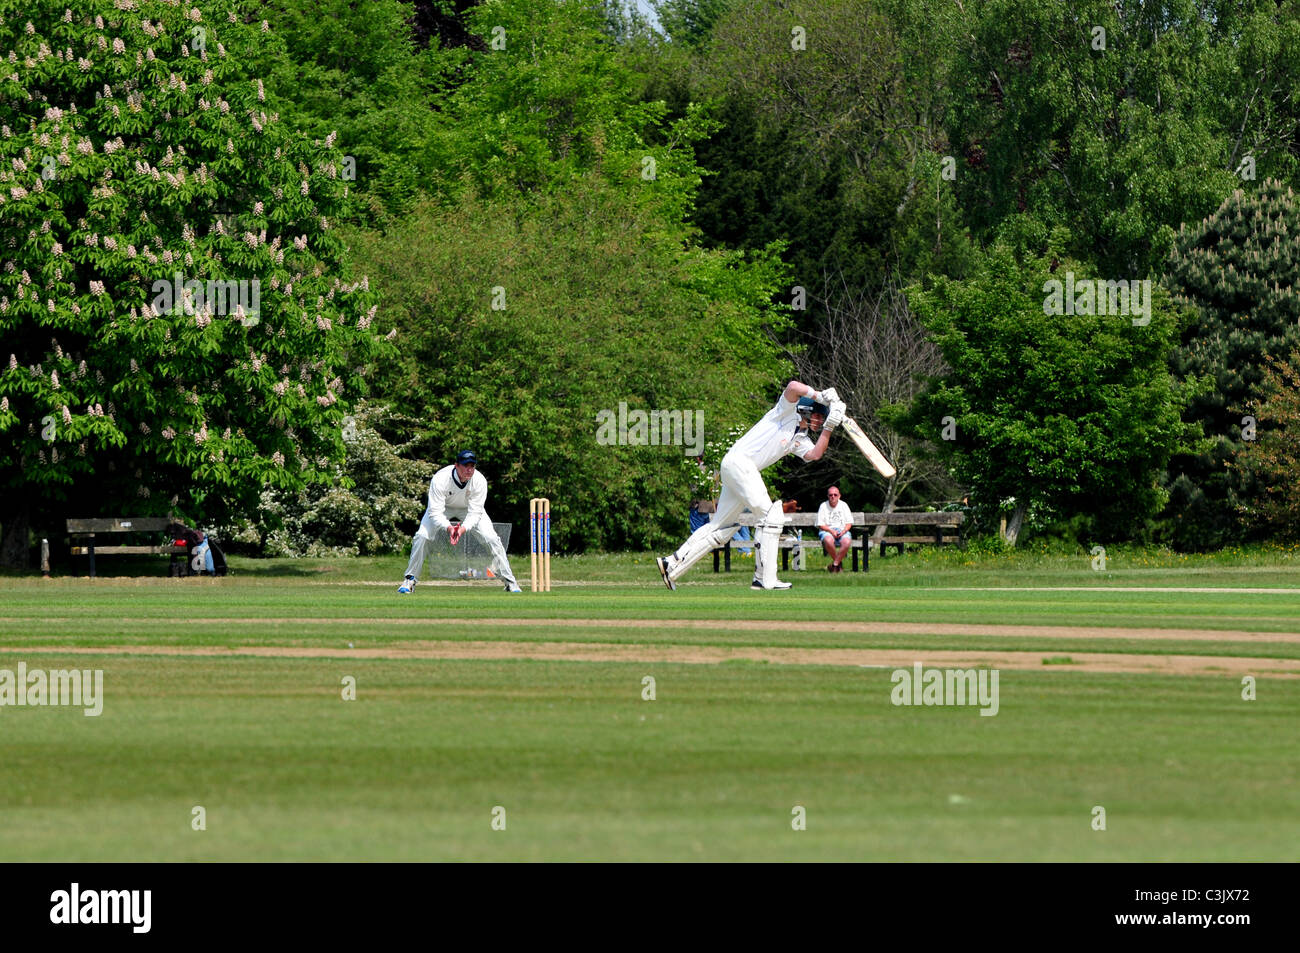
<point>407,585</point>
<point>663,571</point>
<point>776,585</point>
<point>513,587</point>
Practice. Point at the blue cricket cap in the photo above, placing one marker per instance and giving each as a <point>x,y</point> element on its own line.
<point>466,456</point>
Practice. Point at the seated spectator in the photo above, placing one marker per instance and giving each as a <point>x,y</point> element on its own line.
<point>742,536</point>
<point>203,551</point>
<point>834,521</point>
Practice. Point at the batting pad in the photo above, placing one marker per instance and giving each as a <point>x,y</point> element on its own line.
<point>471,554</point>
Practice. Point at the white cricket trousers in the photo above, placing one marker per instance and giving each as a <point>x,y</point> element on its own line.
<point>742,488</point>
<point>483,529</point>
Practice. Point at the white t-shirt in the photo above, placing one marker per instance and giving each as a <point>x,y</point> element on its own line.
<point>775,435</point>
<point>465,502</point>
<point>836,517</point>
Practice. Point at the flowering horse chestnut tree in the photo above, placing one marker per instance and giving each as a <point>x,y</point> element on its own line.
<point>177,326</point>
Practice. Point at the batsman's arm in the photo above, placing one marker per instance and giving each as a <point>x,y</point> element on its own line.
<point>819,447</point>
<point>796,389</point>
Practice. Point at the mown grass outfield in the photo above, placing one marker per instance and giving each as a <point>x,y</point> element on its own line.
<point>1120,689</point>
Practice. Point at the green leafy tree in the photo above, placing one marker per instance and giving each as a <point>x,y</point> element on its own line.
<point>369,508</point>
<point>522,321</point>
<point>1238,269</point>
<point>832,138</point>
<point>690,22</point>
<point>556,277</point>
<point>1120,121</point>
<point>1077,412</point>
<point>357,71</point>
<point>1272,456</point>
<point>140,151</point>
<point>551,100</point>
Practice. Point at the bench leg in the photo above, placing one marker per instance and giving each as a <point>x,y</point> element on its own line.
<point>715,560</point>
<point>726,554</point>
<point>90,553</point>
<point>855,560</point>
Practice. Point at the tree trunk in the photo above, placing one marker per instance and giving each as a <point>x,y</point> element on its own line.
<point>16,528</point>
<point>1017,521</point>
<point>891,500</point>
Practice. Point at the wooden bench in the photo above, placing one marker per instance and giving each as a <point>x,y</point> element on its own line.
<point>787,544</point>
<point>936,523</point>
<point>88,529</point>
<point>863,524</point>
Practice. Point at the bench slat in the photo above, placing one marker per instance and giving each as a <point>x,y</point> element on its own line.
<point>145,524</point>
<point>815,543</point>
<point>130,550</point>
<point>870,519</point>
<point>913,519</point>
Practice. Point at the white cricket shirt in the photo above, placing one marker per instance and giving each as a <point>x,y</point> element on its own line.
<point>445,494</point>
<point>775,435</point>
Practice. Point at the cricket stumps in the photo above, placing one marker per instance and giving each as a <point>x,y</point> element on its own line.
<point>539,535</point>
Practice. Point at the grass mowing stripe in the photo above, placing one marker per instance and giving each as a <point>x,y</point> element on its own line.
<point>1210,611</point>
<point>1186,768</point>
<point>1217,666</point>
<point>587,770</point>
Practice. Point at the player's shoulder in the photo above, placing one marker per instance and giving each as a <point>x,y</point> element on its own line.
<point>785,408</point>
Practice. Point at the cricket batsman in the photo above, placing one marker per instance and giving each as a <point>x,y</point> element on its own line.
<point>457,492</point>
<point>788,427</point>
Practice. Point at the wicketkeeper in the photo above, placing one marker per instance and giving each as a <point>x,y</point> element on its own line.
<point>787,428</point>
<point>457,492</point>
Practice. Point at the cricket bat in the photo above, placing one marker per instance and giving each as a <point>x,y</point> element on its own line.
<point>868,448</point>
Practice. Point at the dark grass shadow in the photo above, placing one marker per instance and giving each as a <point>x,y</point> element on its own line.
<point>159,567</point>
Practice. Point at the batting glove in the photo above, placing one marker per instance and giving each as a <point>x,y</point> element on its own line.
<point>836,416</point>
